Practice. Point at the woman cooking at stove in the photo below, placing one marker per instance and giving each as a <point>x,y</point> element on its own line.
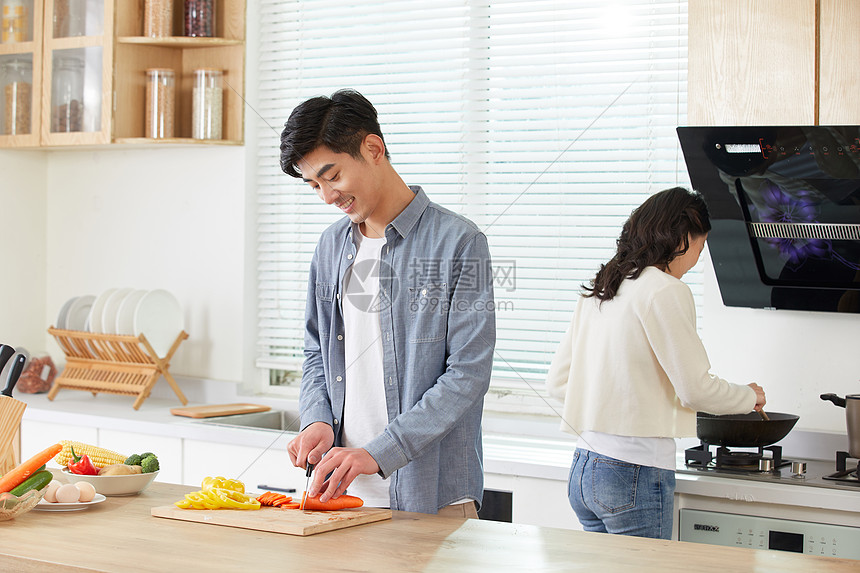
<point>632,371</point>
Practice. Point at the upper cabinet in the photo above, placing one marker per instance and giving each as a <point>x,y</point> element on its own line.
<point>90,72</point>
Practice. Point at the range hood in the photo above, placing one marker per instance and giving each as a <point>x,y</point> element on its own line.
<point>785,213</point>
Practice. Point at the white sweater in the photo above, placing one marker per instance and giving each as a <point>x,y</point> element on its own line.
<point>635,366</point>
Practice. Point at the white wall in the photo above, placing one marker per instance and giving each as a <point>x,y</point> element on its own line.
<point>169,217</point>
<point>794,355</point>
<point>22,249</point>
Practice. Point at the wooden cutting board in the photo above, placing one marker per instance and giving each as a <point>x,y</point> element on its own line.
<point>289,521</point>
<point>218,410</point>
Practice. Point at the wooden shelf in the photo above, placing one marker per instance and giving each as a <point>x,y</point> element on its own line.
<point>173,141</point>
<point>124,55</point>
<point>179,42</point>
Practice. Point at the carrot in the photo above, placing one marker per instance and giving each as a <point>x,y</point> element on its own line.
<point>343,502</point>
<point>15,477</point>
<point>291,506</point>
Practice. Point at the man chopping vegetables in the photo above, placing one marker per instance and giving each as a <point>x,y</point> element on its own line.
<point>399,325</point>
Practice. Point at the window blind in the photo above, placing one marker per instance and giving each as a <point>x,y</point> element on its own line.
<point>544,122</point>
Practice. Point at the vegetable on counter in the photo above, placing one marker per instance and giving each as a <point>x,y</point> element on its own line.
<point>100,457</point>
<point>343,502</point>
<point>36,481</point>
<point>82,465</point>
<point>147,461</point>
<point>274,499</point>
<point>219,493</point>
<point>16,477</point>
<point>120,470</point>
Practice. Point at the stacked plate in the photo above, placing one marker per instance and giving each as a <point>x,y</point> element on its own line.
<point>155,313</point>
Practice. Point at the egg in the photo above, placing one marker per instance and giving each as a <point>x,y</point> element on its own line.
<point>51,491</point>
<point>68,493</point>
<point>88,492</point>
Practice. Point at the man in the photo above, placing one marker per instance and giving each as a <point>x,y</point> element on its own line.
<point>399,329</point>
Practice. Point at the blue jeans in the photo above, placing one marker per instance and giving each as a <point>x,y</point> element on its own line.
<point>611,496</point>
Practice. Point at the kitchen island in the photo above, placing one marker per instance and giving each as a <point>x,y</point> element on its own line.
<point>121,535</point>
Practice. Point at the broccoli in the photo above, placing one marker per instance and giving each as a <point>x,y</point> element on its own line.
<point>133,460</point>
<point>149,464</point>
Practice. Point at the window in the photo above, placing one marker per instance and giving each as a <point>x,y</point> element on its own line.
<point>544,122</point>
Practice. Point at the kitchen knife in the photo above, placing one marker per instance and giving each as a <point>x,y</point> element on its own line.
<point>6,353</point>
<point>14,374</point>
<point>307,483</point>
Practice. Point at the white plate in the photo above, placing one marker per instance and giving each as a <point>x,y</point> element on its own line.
<point>125,313</point>
<point>159,317</point>
<point>79,312</point>
<point>110,309</point>
<point>64,313</point>
<point>95,320</point>
<point>48,506</point>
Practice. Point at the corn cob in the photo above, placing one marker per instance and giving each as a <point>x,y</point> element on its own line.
<point>99,456</point>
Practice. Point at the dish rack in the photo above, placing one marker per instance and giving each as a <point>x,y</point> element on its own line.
<point>113,364</point>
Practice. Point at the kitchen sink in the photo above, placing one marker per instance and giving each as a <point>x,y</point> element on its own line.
<point>273,420</point>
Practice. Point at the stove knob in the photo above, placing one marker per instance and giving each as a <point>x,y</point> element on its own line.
<point>798,469</point>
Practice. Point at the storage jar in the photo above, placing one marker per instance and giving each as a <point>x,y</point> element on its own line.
<point>67,95</point>
<point>69,18</point>
<point>160,102</point>
<point>158,18</point>
<point>15,22</point>
<point>200,18</point>
<point>206,105</point>
<point>17,80</point>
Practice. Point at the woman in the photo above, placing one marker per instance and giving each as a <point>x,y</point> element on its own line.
<point>632,371</point>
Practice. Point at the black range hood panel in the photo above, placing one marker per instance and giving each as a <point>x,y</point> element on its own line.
<point>785,211</point>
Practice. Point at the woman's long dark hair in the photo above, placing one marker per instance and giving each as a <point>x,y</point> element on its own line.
<point>656,232</point>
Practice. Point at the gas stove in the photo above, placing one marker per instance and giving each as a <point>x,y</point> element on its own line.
<point>768,465</point>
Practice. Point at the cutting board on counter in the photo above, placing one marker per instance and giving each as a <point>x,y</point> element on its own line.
<point>274,520</point>
<point>218,410</point>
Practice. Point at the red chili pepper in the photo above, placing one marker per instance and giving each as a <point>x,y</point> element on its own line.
<point>82,465</point>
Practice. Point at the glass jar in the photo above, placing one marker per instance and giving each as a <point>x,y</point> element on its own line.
<point>200,18</point>
<point>160,102</point>
<point>17,79</point>
<point>15,25</point>
<point>158,18</point>
<point>67,95</point>
<point>206,104</point>
<point>69,18</point>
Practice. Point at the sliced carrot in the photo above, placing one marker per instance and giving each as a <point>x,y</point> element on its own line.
<point>343,502</point>
<point>291,506</point>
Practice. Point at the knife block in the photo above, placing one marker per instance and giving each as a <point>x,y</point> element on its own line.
<point>113,364</point>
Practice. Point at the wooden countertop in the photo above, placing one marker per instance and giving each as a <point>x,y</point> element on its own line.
<point>121,535</point>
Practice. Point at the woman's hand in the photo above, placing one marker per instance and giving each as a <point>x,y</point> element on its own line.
<point>759,396</point>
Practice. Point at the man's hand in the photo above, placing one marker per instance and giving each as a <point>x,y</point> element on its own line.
<point>344,464</point>
<point>310,445</point>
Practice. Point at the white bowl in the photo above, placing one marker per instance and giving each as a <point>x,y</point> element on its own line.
<point>114,485</point>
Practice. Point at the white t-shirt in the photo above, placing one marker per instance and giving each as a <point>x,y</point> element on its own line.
<point>653,452</point>
<point>365,413</point>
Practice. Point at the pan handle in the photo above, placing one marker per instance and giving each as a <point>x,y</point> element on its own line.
<point>833,398</point>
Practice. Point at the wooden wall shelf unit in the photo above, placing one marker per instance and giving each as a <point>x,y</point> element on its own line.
<point>112,364</point>
<point>117,55</point>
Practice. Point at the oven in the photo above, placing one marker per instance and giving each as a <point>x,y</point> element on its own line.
<point>760,499</point>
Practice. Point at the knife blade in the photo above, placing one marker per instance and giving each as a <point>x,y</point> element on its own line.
<point>308,473</point>
<point>14,374</point>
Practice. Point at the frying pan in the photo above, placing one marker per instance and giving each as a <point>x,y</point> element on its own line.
<point>743,430</point>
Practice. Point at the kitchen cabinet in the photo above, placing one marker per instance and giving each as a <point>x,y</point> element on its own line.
<point>773,63</point>
<point>21,74</point>
<point>88,75</point>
